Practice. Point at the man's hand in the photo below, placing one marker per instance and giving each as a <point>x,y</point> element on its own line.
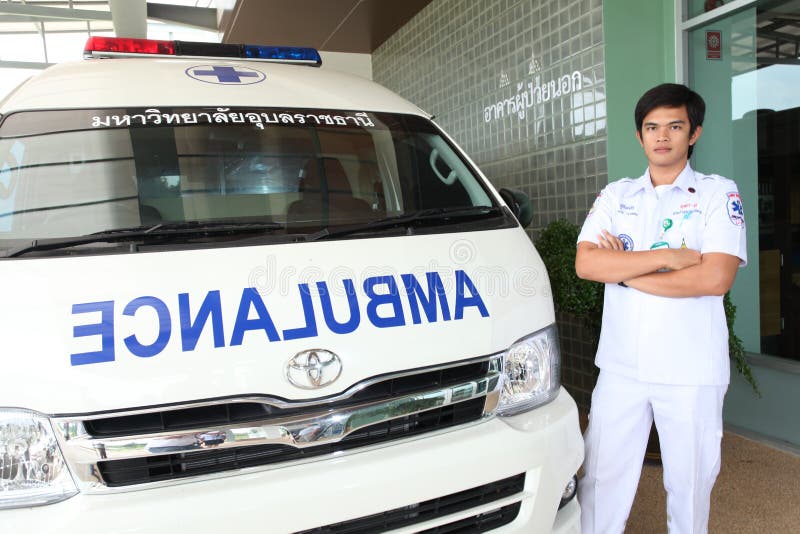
<point>609,241</point>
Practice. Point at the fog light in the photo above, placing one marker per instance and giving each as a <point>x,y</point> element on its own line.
<point>569,492</point>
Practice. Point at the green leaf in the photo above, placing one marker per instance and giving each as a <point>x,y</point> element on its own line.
<point>735,347</point>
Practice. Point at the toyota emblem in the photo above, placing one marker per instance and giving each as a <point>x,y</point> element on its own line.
<point>313,369</point>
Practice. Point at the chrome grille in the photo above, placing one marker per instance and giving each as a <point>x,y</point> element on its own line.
<point>162,444</point>
<point>421,512</point>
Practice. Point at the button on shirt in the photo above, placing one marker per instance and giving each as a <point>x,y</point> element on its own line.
<point>682,341</point>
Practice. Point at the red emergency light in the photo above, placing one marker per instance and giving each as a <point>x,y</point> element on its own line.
<point>124,45</point>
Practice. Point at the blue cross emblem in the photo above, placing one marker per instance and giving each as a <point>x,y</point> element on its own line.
<point>225,74</point>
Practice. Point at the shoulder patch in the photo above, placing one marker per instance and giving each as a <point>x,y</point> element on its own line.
<point>594,204</point>
<point>735,209</point>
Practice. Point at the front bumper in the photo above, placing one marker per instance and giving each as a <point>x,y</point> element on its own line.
<point>544,443</point>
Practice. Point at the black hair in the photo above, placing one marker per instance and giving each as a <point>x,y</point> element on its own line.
<point>671,95</point>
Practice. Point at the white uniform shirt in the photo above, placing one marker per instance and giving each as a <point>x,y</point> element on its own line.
<point>682,341</point>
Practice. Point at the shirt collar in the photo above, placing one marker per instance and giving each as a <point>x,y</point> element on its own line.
<point>685,181</point>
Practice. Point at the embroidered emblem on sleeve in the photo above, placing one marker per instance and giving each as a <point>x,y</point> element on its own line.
<point>627,241</point>
<point>735,209</point>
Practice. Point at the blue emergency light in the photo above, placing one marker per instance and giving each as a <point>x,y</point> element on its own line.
<point>289,53</point>
<point>106,47</point>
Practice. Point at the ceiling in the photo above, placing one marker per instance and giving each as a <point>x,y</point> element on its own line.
<point>778,34</point>
<point>358,26</point>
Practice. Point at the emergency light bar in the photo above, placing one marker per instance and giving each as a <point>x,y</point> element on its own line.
<point>108,47</point>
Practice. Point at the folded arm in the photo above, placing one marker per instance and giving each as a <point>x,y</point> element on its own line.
<point>610,263</point>
<point>714,275</point>
<point>689,274</point>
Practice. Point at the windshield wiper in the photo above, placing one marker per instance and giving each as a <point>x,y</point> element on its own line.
<point>158,231</point>
<point>408,220</point>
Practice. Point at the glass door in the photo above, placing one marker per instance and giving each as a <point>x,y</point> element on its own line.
<point>747,67</point>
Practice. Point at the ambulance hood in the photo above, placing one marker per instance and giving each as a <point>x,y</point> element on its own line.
<point>123,331</point>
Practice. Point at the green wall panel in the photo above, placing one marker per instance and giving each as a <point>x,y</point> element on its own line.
<point>640,53</point>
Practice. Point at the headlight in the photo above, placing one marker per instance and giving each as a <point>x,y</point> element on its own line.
<point>32,469</point>
<point>531,372</point>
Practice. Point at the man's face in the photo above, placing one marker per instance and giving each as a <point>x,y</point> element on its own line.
<point>665,136</point>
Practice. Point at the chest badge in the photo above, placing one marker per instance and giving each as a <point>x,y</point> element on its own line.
<point>627,241</point>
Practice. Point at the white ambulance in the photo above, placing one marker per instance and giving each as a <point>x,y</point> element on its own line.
<point>245,294</point>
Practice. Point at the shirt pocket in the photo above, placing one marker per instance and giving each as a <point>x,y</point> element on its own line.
<point>687,231</point>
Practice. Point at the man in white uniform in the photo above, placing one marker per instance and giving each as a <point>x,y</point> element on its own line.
<point>667,245</point>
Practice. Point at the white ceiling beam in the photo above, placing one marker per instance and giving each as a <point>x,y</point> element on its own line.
<point>196,17</point>
<point>59,13</point>
<point>24,65</point>
<point>130,18</point>
<point>27,18</point>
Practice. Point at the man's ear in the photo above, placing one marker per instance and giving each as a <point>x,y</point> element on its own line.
<point>639,137</point>
<point>696,135</point>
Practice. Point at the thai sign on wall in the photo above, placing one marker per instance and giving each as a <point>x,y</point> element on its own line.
<point>536,90</point>
<point>530,93</point>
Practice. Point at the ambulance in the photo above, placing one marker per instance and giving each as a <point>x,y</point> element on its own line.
<point>243,293</point>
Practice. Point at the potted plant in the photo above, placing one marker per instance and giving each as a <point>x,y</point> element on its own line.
<point>580,298</point>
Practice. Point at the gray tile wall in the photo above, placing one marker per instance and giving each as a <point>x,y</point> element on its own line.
<point>520,85</point>
<point>471,62</point>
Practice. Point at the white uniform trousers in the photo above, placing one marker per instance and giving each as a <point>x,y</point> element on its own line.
<point>689,424</point>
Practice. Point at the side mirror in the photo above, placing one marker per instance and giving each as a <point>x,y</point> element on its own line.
<point>519,204</point>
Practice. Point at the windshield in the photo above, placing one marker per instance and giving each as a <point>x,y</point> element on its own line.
<point>76,172</point>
